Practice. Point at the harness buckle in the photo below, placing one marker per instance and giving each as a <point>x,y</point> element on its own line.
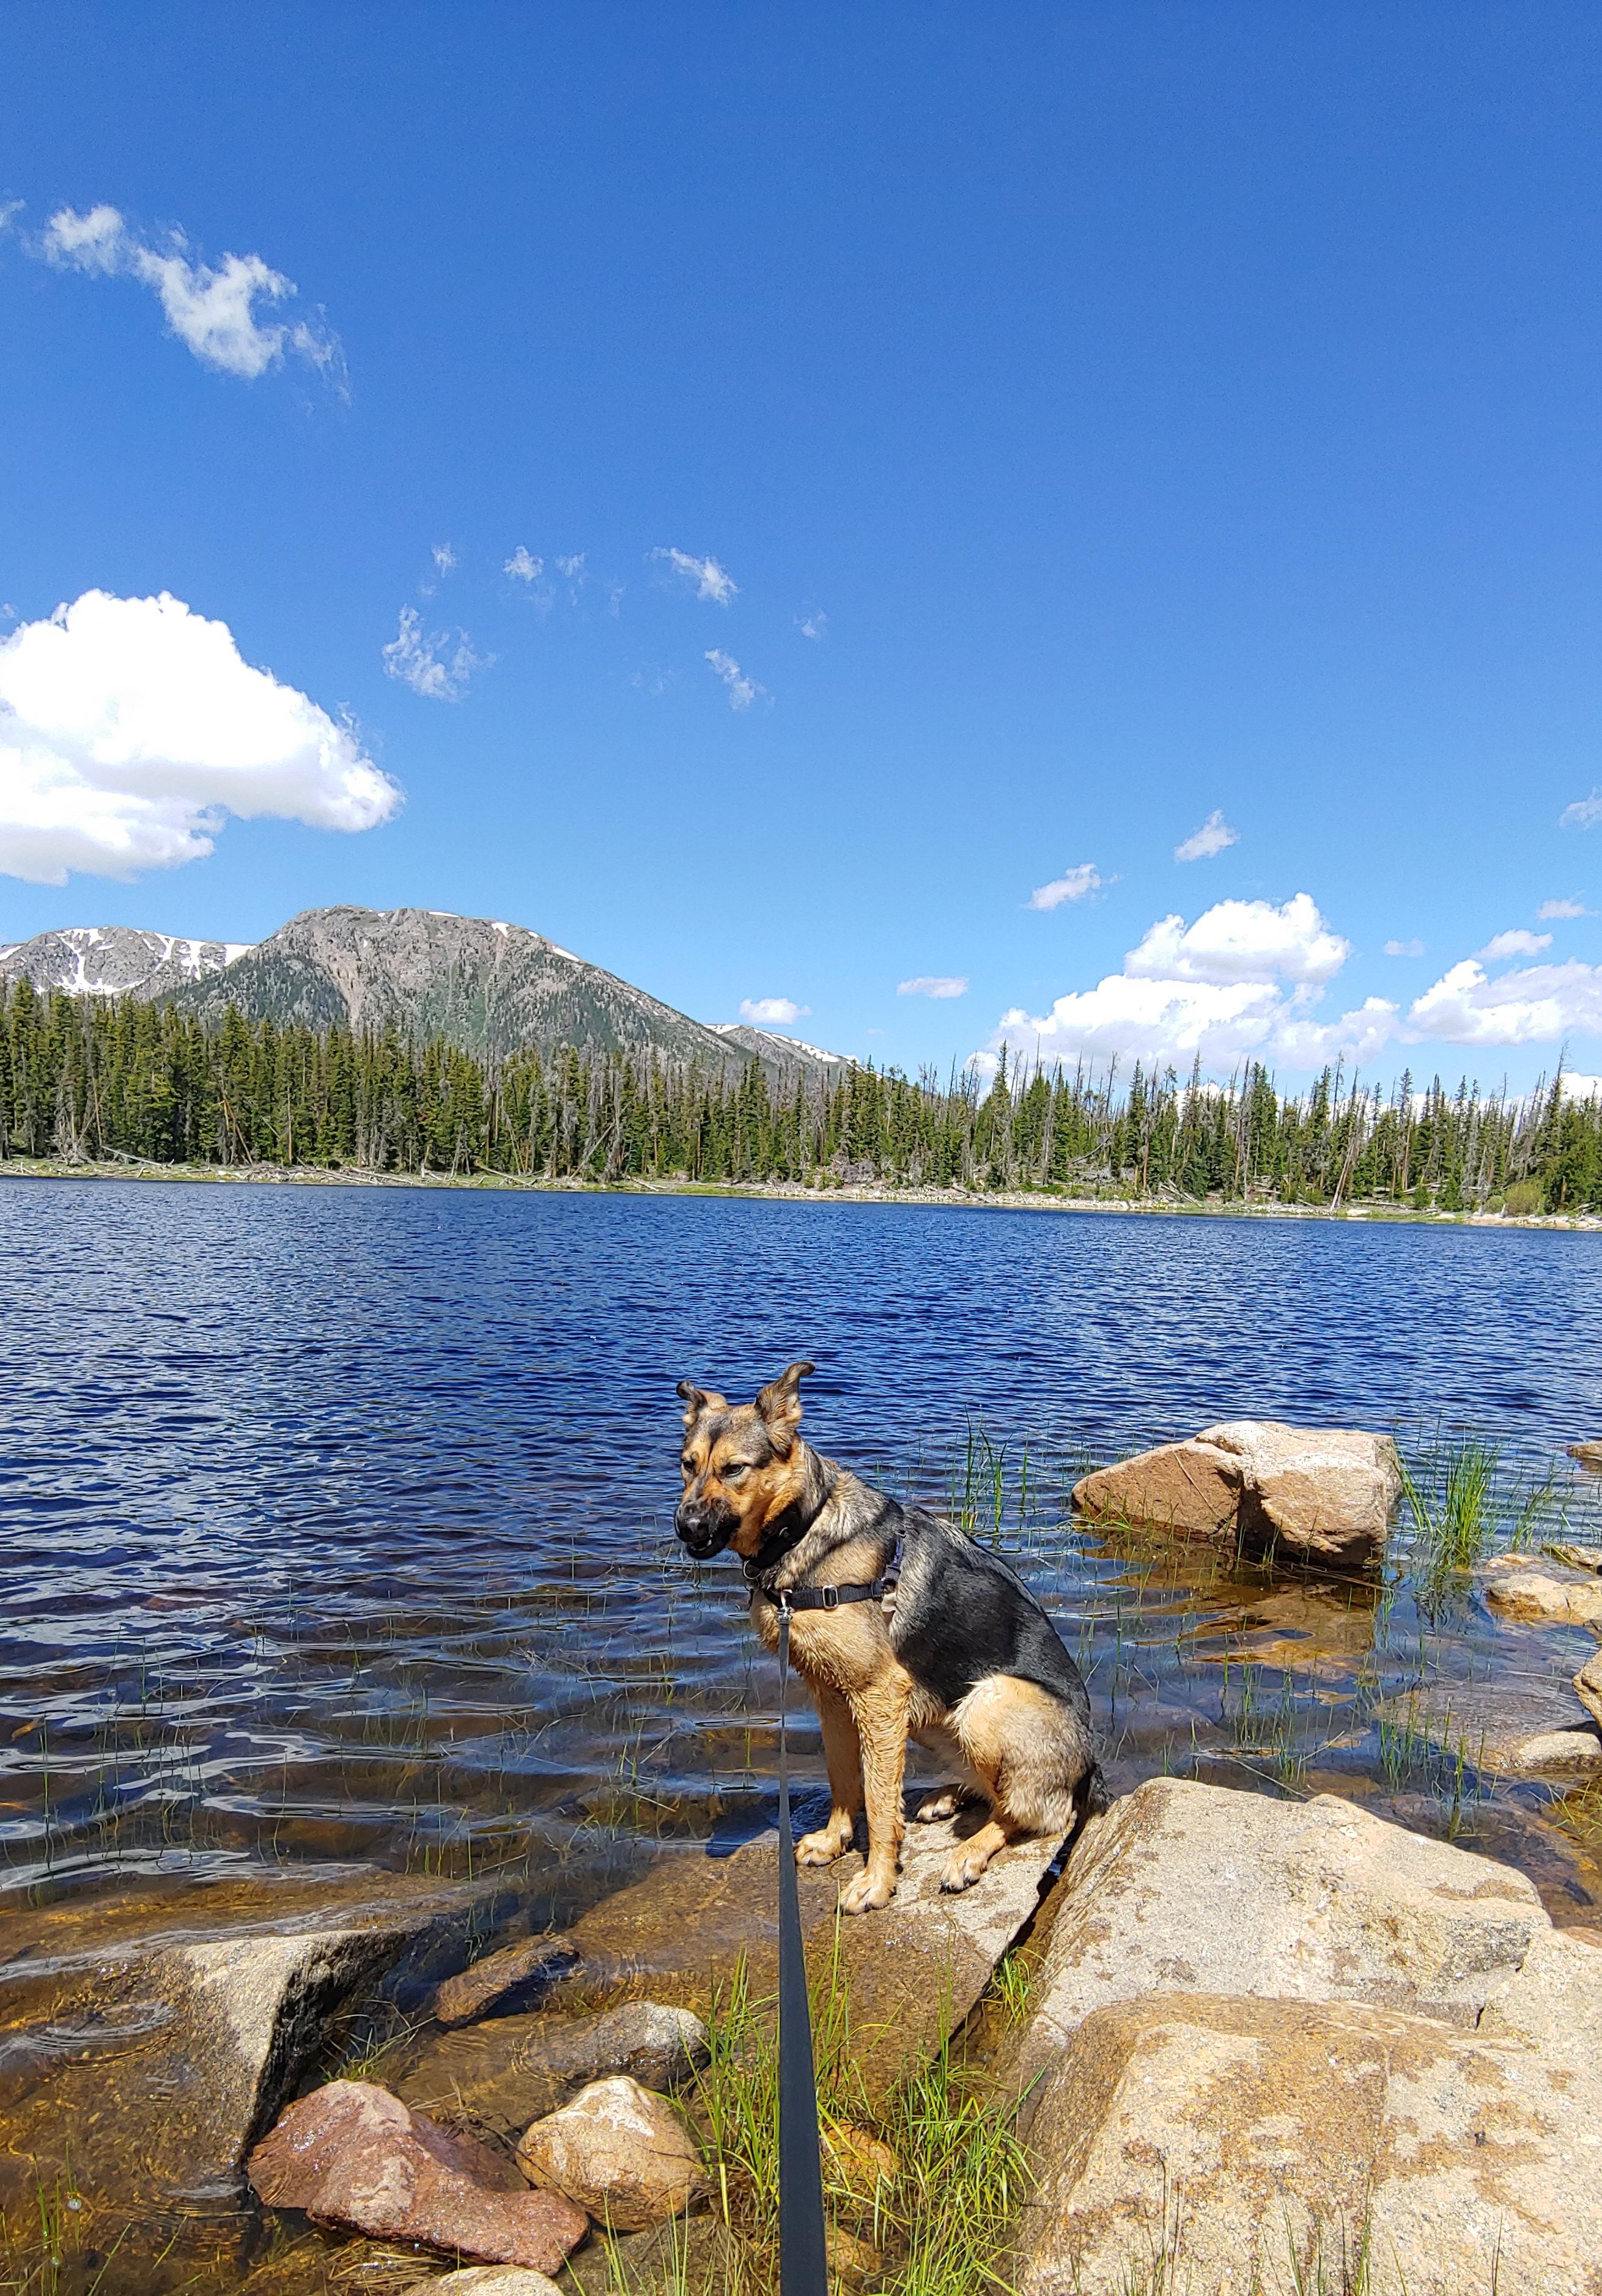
<point>831,1597</point>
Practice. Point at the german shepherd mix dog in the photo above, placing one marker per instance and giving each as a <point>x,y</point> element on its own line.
<point>960,1655</point>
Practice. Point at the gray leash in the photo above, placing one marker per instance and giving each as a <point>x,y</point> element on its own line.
<point>803,2257</point>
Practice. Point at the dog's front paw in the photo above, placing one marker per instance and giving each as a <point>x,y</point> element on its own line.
<point>868,1893</point>
<point>821,1848</point>
<point>946,1803</point>
<point>964,1868</point>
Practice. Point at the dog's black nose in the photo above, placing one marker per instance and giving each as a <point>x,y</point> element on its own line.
<point>701,1527</point>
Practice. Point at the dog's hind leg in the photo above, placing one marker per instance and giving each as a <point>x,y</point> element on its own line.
<point>1034,1754</point>
<point>945,1801</point>
<point>842,1751</point>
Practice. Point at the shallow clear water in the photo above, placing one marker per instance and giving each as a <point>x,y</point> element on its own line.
<point>336,1523</point>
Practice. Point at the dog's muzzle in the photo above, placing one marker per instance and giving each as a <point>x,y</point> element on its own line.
<point>705,1531</point>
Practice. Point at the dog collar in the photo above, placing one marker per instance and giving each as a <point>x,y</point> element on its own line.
<point>762,1563</point>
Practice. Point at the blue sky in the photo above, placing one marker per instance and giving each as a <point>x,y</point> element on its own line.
<point>1073,424</point>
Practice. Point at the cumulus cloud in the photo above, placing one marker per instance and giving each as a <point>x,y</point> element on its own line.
<point>436,666</point>
<point>742,691</point>
<point>1516,943</point>
<point>1572,908</point>
<point>130,728</point>
<point>1536,1004</point>
<point>522,566</point>
<point>1244,979</point>
<point>1213,835</point>
<point>574,568</point>
<point>212,309</point>
<point>445,557</point>
<point>771,1012</point>
<point>1243,940</point>
<point>934,984</point>
<point>813,625</point>
<point>1581,1088</point>
<point>1585,812</point>
<point>1082,879</point>
<point>1404,948</point>
<point>709,580</point>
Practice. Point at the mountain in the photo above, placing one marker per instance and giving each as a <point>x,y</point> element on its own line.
<point>114,961</point>
<point>775,1051</point>
<point>490,988</point>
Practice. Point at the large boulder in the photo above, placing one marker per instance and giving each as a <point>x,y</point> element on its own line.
<point>1306,1494</point>
<point>512,2070</point>
<point>148,2060</point>
<point>1236,2144</point>
<point>619,2152</point>
<point>354,2157</point>
<point>1522,1729</point>
<point>1183,1887</point>
<point>915,1969</point>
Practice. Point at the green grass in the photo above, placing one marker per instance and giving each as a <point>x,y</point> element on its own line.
<point>939,2221</point>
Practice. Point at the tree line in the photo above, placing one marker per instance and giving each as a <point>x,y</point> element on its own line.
<point>95,1080</point>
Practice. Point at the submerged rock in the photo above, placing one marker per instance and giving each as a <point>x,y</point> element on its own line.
<point>1309,1495</point>
<point>1272,2142</point>
<point>1525,1730</point>
<point>693,2254</point>
<point>618,2151</point>
<point>1519,1588</point>
<point>1181,1888</point>
<point>1588,1686</point>
<point>1590,1455</point>
<point>512,1969</point>
<point>487,2280</point>
<point>511,2070</point>
<point>353,2156</point>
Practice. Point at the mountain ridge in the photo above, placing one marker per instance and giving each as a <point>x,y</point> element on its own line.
<point>491,988</point>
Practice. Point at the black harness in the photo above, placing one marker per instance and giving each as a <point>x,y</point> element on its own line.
<point>772,1552</point>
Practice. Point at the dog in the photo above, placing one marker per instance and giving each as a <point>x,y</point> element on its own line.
<point>960,1656</point>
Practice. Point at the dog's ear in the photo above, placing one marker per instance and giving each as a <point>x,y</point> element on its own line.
<point>697,1399</point>
<point>778,1406</point>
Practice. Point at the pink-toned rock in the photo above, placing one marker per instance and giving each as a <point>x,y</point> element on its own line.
<point>1588,1686</point>
<point>352,2155</point>
<point>1321,1495</point>
<point>619,2152</point>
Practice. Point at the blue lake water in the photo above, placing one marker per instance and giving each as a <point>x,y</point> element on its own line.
<point>336,1523</point>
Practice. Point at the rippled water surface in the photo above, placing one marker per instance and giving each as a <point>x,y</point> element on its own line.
<point>337,1522</point>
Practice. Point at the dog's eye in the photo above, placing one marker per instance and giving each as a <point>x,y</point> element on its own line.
<point>688,1465</point>
<point>733,1472</point>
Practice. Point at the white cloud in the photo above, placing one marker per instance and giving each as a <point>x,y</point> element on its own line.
<point>1585,812</point>
<point>1581,1088</point>
<point>742,691</point>
<point>445,557</point>
<point>1572,908</point>
<point>574,568</point>
<point>813,625</point>
<point>523,567</point>
<point>1075,884</point>
<point>1404,948</point>
<point>130,727</point>
<point>1243,940</point>
<point>934,984</point>
<point>709,578</point>
<point>1213,835</point>
<point>437,666</point>
<point>213,310</point>
<point>771,1012</point>
<point>1537,1004</point>
<point>1516,943</point>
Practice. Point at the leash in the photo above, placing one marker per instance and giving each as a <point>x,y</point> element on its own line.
<point>803,2257</point>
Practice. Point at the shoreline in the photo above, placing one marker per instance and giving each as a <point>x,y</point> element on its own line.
<point>785,1192</point>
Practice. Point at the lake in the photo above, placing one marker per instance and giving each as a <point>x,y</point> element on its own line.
<point>338,1521</point>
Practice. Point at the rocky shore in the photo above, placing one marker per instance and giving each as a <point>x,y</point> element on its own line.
<point>1224,2040</point>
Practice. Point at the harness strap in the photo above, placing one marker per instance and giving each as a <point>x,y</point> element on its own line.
<point>803,2255</point>
<point>830,1598</point>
